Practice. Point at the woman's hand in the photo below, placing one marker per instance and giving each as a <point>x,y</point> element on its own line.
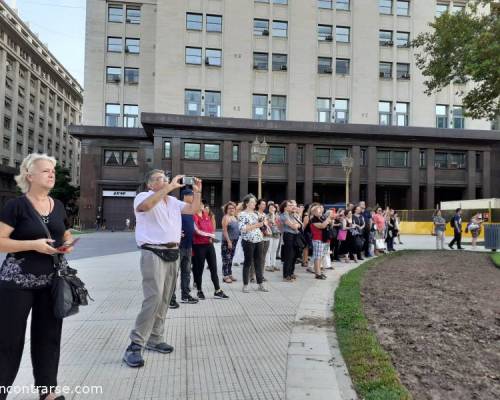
<point>229,245</point>
<point>44,246</point>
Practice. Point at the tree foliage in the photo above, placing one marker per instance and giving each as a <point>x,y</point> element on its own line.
<point>63,190</point>
<point>465,47</point>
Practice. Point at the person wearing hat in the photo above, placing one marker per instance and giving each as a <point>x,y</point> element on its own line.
<point>186,250</point>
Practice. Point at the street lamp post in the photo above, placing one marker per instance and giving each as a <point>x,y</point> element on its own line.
<point>347,163</point>
<point>259,152</point>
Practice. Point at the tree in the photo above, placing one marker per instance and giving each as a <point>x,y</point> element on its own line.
<point>465,47</point>
<point>63,190</point>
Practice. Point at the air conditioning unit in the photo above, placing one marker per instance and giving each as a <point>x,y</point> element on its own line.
<point>405,76</point>
<point>390,43</point>
<point>127,49</point>
<point>265,32</point>
<point>283,68</point>
<point>329,38</point>
<point>327,70</point>
<point>207,60</point>
<point>116,79</point>
<point>382,74</point>
<point>129,20</point>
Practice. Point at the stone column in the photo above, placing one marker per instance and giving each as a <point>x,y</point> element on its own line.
<point>372,177</point>
<point>227,160</point>
<point>431,179</point>
<point>309,173</point>
<point>292,171</point>
<point>415,178</point>
<point>244,168</point>
<point>355,179</point>
<point>486,174</point>
<point>471,174</point>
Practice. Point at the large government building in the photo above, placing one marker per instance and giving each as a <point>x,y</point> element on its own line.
<point>39,99</point>
<point>187,85</point>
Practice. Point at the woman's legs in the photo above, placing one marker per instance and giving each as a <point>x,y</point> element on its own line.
<point>227,259</point>
<point>248,251</point>
<point>198,264</point>
<point>258,261</point>
<point>271,253</point>
<point>212,265</point>
<point>15,307</point>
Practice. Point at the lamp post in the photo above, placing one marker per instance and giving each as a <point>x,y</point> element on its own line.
<point>259,152</point>
<point>347,163</point>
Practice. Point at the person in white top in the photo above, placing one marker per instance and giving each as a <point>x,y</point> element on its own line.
<point>157,233</point>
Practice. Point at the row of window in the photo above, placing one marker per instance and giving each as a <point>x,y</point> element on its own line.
<point>114,75</point>
<point>115,45</point>
<point>402,70</point>
<point>213,57</point>
<point>385,38</point>
<point>326,4</point>
<point>402,7</point>
<point>131,14</point>
<point>280,29</point>
<point>128,119</point>
<point>325,156</point>
<point>194,22</point>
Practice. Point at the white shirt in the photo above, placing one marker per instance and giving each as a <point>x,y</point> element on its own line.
<point>162,224</point>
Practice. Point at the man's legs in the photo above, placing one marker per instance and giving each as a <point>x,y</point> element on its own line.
<point>185,263</point>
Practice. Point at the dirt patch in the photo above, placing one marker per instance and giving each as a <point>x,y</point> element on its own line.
<point>438,315</point>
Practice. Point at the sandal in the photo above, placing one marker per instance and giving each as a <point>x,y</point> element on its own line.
<point>233,278</point>
<point>227,279</point>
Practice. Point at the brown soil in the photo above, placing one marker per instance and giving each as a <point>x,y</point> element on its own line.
<point>438,315</point>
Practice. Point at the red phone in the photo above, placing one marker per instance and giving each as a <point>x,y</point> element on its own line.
<point>66,246</point>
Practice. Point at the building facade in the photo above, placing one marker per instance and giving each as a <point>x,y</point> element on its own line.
<point>401,167</point>
<point>39,99</point>
<point>342,61</point>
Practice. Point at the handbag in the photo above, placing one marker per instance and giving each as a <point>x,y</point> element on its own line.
<point>380,244</point>
<point>300,242</point>
<point>68,291</point>
<point>342,235</point>
<point>167,255</point>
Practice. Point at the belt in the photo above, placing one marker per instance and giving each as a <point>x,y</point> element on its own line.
<point>169,245</point>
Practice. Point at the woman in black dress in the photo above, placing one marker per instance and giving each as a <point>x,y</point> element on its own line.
<point>26,275</point>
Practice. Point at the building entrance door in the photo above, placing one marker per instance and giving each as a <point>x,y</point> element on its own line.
<point>116,210</point>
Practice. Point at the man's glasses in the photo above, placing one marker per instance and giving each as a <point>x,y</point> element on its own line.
<point>160,178</point>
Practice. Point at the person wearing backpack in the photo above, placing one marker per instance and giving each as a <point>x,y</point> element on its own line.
<point>456,224</point>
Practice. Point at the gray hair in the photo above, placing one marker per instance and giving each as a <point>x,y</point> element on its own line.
<point>150,174</point>
<point>26,169</point>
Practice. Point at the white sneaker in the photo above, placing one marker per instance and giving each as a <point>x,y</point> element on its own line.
<point>245,289</point>
<point>262,288</point>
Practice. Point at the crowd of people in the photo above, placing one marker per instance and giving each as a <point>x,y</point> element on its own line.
<point>473,227</point>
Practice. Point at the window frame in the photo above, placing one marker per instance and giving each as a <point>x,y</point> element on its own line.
<point>112,77</point>
<point>398,8</point>
<point>184,157</point>
<point>258,31</point>
<point>209,93</point>
<point>259,66</point>
<point>205,145</point>
<point>325,4</point>
<point>321,36</point>
<point>255,105</point>
<point>108,44</point>
<point>276,30</point>
<point>127,75</point>
<point>346,62</point>
<point>280,108</point>
<point>192,56</point>
<point>282,160</point>
<point>325,65</point>
<point>207,23</point>
<point>208,59</point>
<point>132,19</point>
<point>186,102</point>
<point>327,110</point>
<point>276,63</point>
<point>406,43</point>
<point>188,21</point>
<point>338,34</point>
<point>382,5</point>
<point>115,7</point>
<point>339,110</point>
<point>382,113</point>
<point>128,47</point>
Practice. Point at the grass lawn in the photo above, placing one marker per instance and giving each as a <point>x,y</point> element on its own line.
<point>370,367</point>
<point>495,257</point>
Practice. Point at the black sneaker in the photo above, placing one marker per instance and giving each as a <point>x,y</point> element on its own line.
<point>173,304</point>
<point>189,299</point>
<point>133,355</point>
<point>201,295</point>
<point>221,295</point>
<point>163,347</point>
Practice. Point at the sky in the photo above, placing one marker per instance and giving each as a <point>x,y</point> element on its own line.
<point>61,25</point>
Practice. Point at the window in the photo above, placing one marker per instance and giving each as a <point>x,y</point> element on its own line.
<point>458,117</point>
<point>325,33</point>
<point>212,104</point>
<point>6,122</point>
<point>385,38</point>
<point>115,13</point>
<point>324,109</point>
<point>194,22</point>
<point>280,28</point>
<point>457,8</point>
<point>279,62</point>
<point>342,34</point>
<point>130,116</point>
<point>278,108</point>
<point>8,103</point>
<point>385,70</point>
<point>422,159</point>
<point>276,155</point>
<point>403,7</point>
<point>192,102</point>
<point>280,1</point>
<point>341,111</point>
<point>392,158</point>
<point>441,9</point>
<point>261,27</point>
<point>363,158</point>
<point>213,57</point>
<point>167,150</point>
<point>32,117</point>
<point>342,66</point>
<point>113,74</point>
<point>403,71</point>
<point>193,55</point>
<point>259,106</point>
<point>211,152</point>
<point>402,114</point>
<point>384,112</point>
<point>112,158</point>
<point>192,151</point>
<point>130,159</point>
<point>342,5</point>
<point>324,65</point>
<point>441,116</point>
<point>450,160</point>
<point>132,76</point>
<point>236,152</point>
<point>329,156</point>
<point>325,4</point>
<point>112,115</point>
<point>403,39</point>
<point>214,23</point>
<point>260,61</point>
<point>300,154</point>
<point>385,6</point>
<point>132,45</point>
<point>114,44</point>
<point>133,15</point>
<point>6,143</point>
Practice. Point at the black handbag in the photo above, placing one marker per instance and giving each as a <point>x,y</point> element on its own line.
<point>68,291</point>
<point>300,242</point>
<point>167,255</point>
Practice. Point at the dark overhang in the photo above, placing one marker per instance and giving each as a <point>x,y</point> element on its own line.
<point>152,121</point>
<point>106,132</point>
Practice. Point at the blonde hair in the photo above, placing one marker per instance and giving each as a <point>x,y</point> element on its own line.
<point>27,168</point>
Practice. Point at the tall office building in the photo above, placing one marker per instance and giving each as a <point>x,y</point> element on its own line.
<point>39,99</point>
<point>343,61</point>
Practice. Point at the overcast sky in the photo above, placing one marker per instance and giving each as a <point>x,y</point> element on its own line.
<point>61,25</point>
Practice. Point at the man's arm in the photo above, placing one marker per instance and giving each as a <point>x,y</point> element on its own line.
<point>195,206</point>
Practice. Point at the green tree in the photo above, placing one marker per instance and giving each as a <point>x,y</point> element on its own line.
<point>465,47</point>
<point>63,190</point>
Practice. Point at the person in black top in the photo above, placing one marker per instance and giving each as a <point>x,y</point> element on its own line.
<point>26,275</point>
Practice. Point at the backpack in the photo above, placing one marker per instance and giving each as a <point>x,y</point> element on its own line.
<point>452,223</point>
